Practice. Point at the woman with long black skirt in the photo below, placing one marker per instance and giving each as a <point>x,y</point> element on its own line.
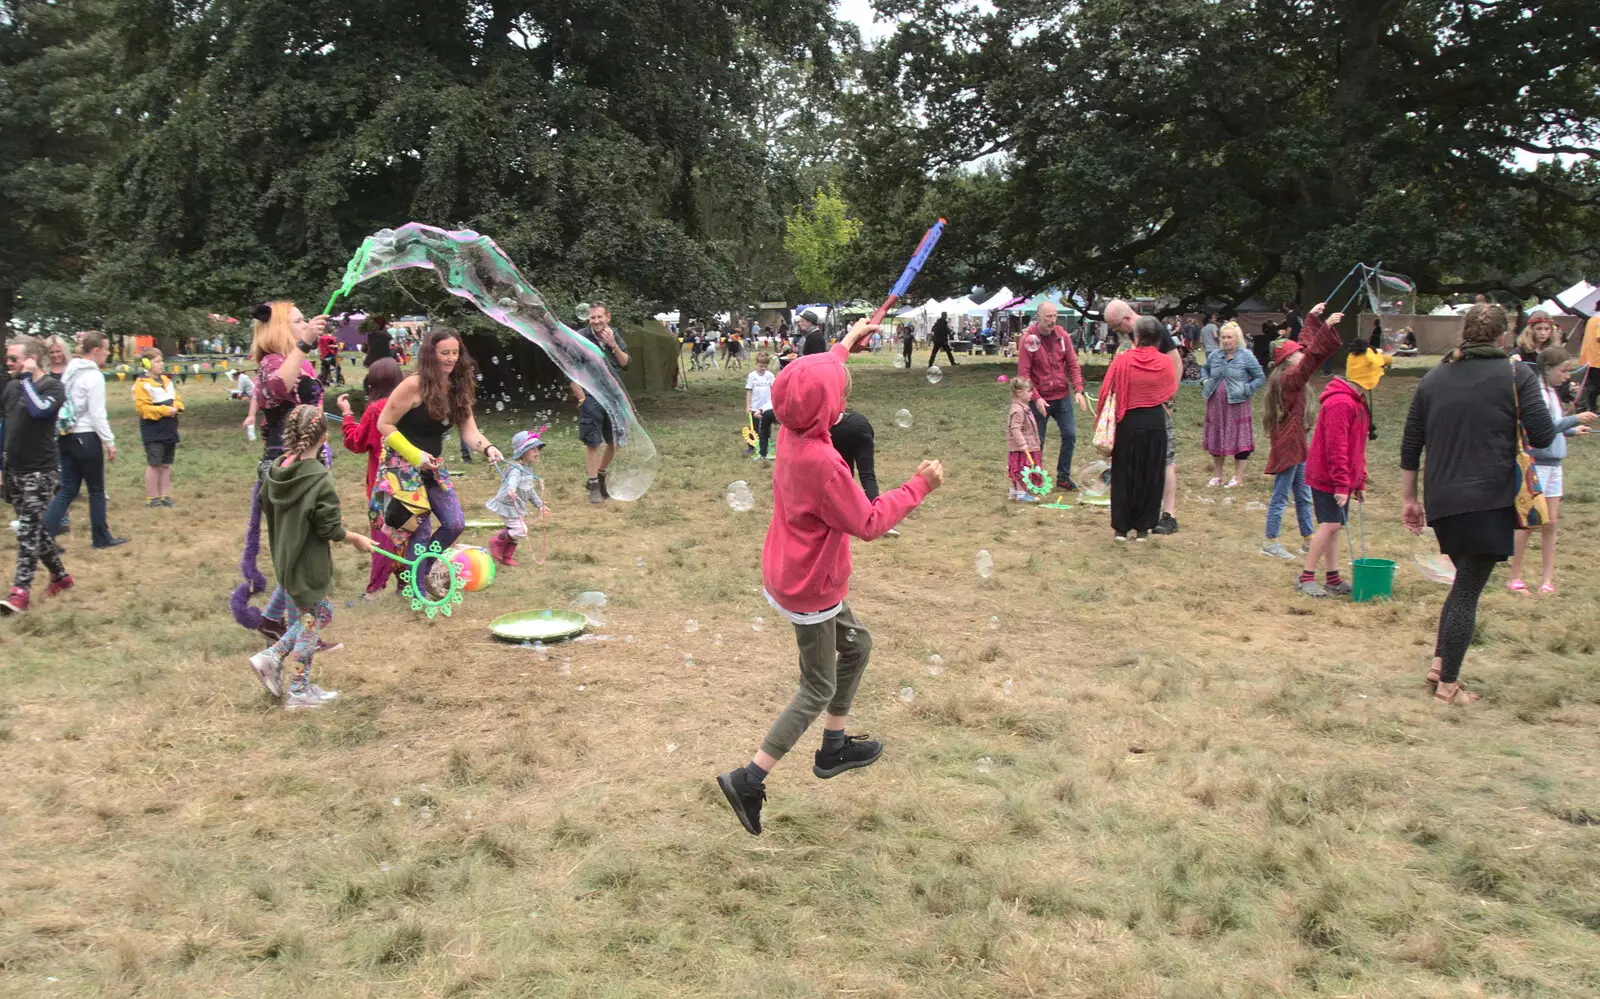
<point>1137,384</point>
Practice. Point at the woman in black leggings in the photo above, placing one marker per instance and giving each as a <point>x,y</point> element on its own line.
<point>1465,414</point>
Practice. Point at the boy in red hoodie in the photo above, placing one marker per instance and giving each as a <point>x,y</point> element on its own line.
<point>1336,471</point>
<point>805,570</point>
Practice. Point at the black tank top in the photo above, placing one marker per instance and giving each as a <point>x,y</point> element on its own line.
<point>423,430</point>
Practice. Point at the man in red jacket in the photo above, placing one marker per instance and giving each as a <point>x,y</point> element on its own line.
<point>1049,362</point>
<point>1336,471</point>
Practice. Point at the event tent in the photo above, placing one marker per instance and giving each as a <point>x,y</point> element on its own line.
<point>1582,297</point>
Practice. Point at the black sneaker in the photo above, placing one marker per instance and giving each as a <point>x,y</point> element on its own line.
<point>744,798</point>
<point>857,751</point>
<point>114,542</point>
<point>595,495</point>
<point>1168,524</point>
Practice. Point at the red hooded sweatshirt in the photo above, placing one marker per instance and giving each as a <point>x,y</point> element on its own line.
<point>1052,368</point>
<point>363,438</point>
<point>1338,459</point>
<point>816,503</point>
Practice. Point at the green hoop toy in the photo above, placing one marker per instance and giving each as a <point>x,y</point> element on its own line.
<point>411,580</point>
<point>1037,481</point>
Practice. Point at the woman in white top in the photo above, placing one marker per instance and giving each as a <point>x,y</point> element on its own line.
<point>88,443</point>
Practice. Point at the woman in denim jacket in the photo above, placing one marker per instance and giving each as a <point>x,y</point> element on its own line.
<point>1230,428</point>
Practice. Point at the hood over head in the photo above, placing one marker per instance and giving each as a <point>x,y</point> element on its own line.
<point>809,395</point>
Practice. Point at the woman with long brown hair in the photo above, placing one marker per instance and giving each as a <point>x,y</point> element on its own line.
<point>425,405</point>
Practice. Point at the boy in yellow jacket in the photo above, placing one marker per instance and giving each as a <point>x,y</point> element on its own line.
<point>156,400</point>
<point>1365,366</point>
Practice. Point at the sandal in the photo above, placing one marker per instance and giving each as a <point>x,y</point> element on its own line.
<point>1547,589</point>
<point>1517,586</point>
<point>1433,674</point>
<point>1232,484</point>
<point>1455,694</point>
<point>1213,483</point>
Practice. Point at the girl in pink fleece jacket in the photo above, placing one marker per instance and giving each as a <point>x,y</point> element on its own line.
<point>805,571</point>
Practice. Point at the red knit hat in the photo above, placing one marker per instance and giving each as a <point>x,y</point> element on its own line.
<point>1284,349</point>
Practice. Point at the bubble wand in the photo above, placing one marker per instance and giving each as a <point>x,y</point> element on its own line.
<point>930,239</point>
<point>412,580</point>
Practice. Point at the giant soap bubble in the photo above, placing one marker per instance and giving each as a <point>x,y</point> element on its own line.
<point>472,267</point>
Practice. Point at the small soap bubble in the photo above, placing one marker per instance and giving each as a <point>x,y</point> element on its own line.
<point>899,361</point>
<point>639,561</point>
<point>994,624</point>
<point>1255,506</point>
<point>936,660</point>
<point>907,694</point>
<point>934,670</point>
<point>672,747</point>
<point>984,563</point>
<point>424,811</point>
<point>1005,686</point>
<point>740,498</point>
<point>691,626</point>
<point>756,623</point>
<point>850,635</point>
<point>935,375</point>
<point>902,419</point>
<point>1030,343</point>
<point>395,802</point>
<point>985,764</point>
<point>499,406</point>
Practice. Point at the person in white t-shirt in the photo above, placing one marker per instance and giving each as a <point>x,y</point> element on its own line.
<point>758,402</point>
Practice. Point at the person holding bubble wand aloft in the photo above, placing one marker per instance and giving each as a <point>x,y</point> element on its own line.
<point>1286,422</point>
<point>805,569</point>
<point>440,395</point>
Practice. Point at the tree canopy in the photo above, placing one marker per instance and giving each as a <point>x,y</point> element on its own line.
<point>1214,150</point>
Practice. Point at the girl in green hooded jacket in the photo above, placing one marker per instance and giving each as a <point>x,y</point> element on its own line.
<point>301,509</point>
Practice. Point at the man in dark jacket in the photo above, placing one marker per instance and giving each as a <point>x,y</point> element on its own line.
<point>813,339</point>
<point>30,402</point>
<point>941,339</point>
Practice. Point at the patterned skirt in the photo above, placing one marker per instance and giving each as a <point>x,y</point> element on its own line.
<point>1229,427</point>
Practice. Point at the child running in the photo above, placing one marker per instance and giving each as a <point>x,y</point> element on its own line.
<point>1555,370</point>
<point>1287,420</point>
<point>519,492</point>
<point>805,571</point>
<point>1336,471</point>
<point>1022,439</point>
<point>758,401</point>
<point>156,401</point>
<point>301,509</point>
<point>363,438</point>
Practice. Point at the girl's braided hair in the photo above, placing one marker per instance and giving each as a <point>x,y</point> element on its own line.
<point>304,429</point>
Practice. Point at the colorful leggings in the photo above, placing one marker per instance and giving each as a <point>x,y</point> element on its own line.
<point>300,640</point>
<point>31,495</point>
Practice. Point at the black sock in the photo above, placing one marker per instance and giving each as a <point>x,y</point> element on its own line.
<point>753,773</point>
<point>832,740</point>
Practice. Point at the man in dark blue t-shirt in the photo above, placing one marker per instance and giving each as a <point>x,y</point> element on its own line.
<point>595,429</point>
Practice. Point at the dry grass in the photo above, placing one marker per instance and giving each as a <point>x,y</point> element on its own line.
<point>1199,785</point>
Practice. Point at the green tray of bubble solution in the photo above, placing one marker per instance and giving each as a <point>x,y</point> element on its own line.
<point>538,626</point>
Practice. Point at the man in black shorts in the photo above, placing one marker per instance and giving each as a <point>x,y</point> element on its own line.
<point>594,423</point>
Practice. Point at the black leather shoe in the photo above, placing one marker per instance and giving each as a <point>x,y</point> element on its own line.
<point>114,542</point>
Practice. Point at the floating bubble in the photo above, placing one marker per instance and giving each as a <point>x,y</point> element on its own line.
<point>850,635</point>
<point>740,498</point>
<point>1030,343</point>
<point>499,406</point>
<point>899,361</point>
<point>907,694</point>
<point>471,266</point>
<point>756,623</point>
<point>691,626</point>
<point>984,563</point>
<point>495,359</point>
<point>994,624</point>
<point>639,561</point>
<point>1435,568</point>
<point>902,419</point>
<point>935,375</point>
<point>591,598</point>
<point>1255,506</point>
<point>934,670</point>
<point>1005,686</point>
<point>1094,479</point>
<point>672,747</point>
<point>936,660</point>
<point>984,764</point>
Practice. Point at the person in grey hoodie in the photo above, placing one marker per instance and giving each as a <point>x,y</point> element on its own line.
<point>1554,368</point>
<point>88,444</point>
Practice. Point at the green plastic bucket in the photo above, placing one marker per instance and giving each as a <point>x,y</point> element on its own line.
<point>1373,579</point>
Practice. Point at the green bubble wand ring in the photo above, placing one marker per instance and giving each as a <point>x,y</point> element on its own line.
<point>1038,482</point>
<point>412,580</point>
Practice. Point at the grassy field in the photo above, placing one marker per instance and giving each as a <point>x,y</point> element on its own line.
<point>1195,783</point>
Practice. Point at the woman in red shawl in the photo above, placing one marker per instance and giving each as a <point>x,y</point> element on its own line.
<point>1138,382</point>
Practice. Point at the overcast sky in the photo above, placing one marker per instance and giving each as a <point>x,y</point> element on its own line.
<point>860,12</point>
